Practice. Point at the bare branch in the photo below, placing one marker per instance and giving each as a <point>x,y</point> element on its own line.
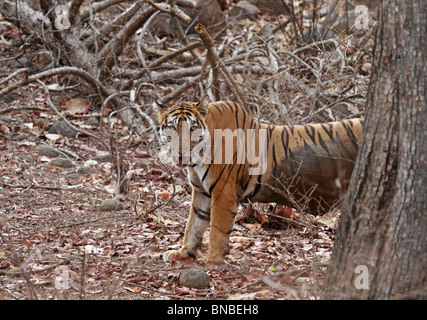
<point>173,10</point>
<point>115,45</point>
<point>208,42</point>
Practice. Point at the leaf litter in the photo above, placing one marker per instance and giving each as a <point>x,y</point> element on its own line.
<point>51,225</point>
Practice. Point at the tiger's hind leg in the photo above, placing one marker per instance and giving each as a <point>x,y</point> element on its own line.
<point>197,223</point>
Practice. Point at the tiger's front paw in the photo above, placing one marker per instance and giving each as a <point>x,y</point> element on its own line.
<point>172,255</point>
<point>215,259</point>
<point>181,254</point>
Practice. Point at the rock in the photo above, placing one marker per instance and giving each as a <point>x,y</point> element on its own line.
<point>62,128</point>
<point>103,157</point>
<point>19,63</point>
<point>110,204</point>
<point>207,12</point>
<point>62,163</point>
<point>194,278</point>
<point>5,119</point>
<point>19,137</point>
<point>9,97</point>
<point>84,170</point>
<point>273,7</point>
<point>74,176</point>
<point>93,121</point>
<point>48,151</point>
<point>244,10</point>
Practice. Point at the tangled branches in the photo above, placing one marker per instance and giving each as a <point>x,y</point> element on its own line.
<point>119,51</point>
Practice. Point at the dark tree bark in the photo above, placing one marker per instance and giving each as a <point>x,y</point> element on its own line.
<point>380,250</point>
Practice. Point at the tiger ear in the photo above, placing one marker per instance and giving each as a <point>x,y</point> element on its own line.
<point>160,107</point>
<point>202,105</point>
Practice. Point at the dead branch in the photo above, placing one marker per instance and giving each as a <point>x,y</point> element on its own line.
<point>158,62</point>
<point>173,10</point>
<point>99,6</point>
<point>52,106</point>
<point>74,10</point>
<point>217,62</point>
<point>115,45</point>
<point>95,83</point>
<point>112,27</point>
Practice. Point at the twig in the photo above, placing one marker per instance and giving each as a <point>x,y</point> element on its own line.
<point>52,106</point>
<point>139,45</point>
<point>22,268</point>
<point>37,186</point>
<point>115,215</point>
<point>53,72</point>
<point>74,10</point>
<point>112,27</point>
<point>99,6</point>
<point>119,281</point>
<point>116,44</point>
<point>13,75</point>
<point>173,10</point>
<point>217,62</point>
<point>11,109</point>
<point>82,294</point>
<point>160,61</point>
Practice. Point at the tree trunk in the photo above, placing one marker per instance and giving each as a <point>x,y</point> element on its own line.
<point>380,251</point>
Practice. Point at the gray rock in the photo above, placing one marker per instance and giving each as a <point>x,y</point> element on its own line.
<point>194,278</point>
<point>103,157</point>
<point>74,176</point>
<point>273,7</point>
<point>244,10</point>
<point>62,163</point>
<point>93,121</point>
<point>62,128</point>
<point>110,204</point>
<point>48,151</point>
<point>5,119</point>
<point>19,137</point>
<point>84,170</point>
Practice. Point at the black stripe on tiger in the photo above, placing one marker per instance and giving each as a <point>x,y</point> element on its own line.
<point>310,132</point>
<point>201,213</point>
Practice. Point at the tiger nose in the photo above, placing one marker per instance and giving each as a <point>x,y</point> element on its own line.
<point>182,157</point>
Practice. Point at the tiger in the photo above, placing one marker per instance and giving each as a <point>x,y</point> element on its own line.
<point>231,158</point>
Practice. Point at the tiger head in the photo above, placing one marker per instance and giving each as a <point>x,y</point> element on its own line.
<point>183,130</point>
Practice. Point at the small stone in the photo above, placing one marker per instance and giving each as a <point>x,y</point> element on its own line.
<point>19,137</point>
<point>62,163</point>
<point>103,157</point>
<point>48,151</point>
<point>110,204</point>
<point>5,119</point>
<point>74,176</point>
<point>244,10</point>
<point>84,170</point>
<point>194,278</point>
<point>93,121</point>
<point>61,127</point>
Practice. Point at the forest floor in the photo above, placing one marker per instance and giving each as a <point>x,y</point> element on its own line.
<point>59,239</point>
<point>57,242</point>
